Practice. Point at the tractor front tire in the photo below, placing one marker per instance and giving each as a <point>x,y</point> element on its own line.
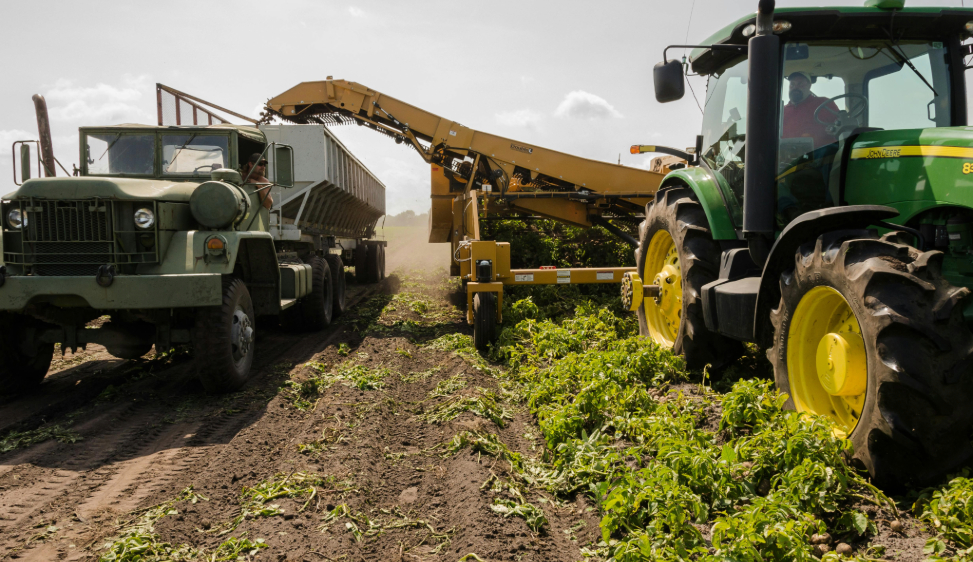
<point>677,251</point>
<point>484,320</point>
<point>20,370</point>
<point>870,335</point>
<point>223,341</point>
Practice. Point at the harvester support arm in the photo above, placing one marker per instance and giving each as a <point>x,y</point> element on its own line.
<point>442,141</point>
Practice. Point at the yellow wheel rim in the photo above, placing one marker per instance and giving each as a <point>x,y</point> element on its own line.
<point>826,364</point>
<point>663,313</point>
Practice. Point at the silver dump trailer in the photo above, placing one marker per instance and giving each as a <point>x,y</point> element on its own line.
<point>335,201</point>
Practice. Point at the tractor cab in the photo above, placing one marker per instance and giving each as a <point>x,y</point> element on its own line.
<point>841,78</point>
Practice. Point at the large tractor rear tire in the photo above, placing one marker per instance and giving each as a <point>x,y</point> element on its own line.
<point>20,370</point>
<point>223,340</point>
<point>337,283</point>
<point>870,335</point>
<point>677,251</point>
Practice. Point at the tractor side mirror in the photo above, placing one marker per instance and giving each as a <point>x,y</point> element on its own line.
<point>669,82</point>
<point>283,165</point>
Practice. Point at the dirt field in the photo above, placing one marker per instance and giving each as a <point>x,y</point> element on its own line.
<point>336,450</point>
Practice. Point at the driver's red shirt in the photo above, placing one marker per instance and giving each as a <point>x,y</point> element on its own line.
<point>799,120</point>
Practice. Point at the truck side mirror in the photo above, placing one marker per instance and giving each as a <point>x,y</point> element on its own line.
<point>669,82</point>
<point>24,163</point>
<point>283,165</point>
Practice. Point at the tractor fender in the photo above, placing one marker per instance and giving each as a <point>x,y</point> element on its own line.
<point>707,190</point>
<point>803,229</point>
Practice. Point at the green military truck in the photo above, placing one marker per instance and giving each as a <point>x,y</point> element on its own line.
<point>827,215</point>
<point>160,232</point>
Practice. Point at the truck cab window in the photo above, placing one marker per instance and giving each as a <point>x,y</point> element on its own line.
<point>193,154</point>
<point>120,154</point>
<point>725,128</point>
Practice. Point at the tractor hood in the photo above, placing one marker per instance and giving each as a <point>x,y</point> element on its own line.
<point>911,169</point>
<point>124,189</point>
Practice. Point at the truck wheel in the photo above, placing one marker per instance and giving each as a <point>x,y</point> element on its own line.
<point>484,319</point>
<point>677,252</point>
<point>21,371</point>
<point>224,340</point>
<point>871,336</point>
<point>361,263</point>
<point>317,306</point>
<point>381,266</point>
<point>337,284</point>
<point>374,264</point>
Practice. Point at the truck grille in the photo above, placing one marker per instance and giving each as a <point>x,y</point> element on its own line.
<point>75,237</point>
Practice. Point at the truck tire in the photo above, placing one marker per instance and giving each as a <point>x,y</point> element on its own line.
<point>316,307</point>
<point>381,265</point>
<point>361,263</point>
<point>21,371</point>
<point>337,284</point>
<point>676,250</point>
<point>223,340</point>
<point>870,335</point>
<point>373,265</point>
<point>484,320</point>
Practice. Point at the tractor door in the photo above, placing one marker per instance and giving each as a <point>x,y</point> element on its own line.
<point>725,132</point>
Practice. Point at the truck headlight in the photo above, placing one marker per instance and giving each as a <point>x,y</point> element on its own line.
<point>16,219</point>
<point>144,218</point>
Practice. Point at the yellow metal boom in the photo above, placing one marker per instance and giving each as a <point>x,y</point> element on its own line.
<point>513,176</point>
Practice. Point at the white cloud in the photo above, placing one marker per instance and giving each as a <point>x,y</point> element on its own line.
<point>583,105</point>
<point>8,137</point>
<point>356,12</point>
<point>102,103</point>
<point>519,118</point>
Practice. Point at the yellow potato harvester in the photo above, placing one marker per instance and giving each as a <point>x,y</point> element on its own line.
<point>475,175</point>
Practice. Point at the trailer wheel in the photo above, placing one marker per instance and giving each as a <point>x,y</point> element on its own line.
<point>373,267</point>
<point>484,320</point>
<point>337,283</point>
<point>317,306</point>
<point>381,266</point>
<point>361,263</point>
<point>223,340</point>
<point>871,336</point>
<point>21,370</point>
<point>677,251</point>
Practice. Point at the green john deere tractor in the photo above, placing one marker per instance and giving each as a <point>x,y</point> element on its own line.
<point>826,214</point>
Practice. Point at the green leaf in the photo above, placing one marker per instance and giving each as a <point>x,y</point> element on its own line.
<point>728,454</point>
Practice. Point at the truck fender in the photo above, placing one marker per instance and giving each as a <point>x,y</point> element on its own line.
<point>707,190</point>
<point>803,229</point>
<point>255,262</point>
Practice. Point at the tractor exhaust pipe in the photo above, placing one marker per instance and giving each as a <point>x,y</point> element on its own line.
<point>44,130</point>
<point>759,200</point>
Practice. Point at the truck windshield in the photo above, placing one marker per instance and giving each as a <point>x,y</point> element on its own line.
<point>193,154</point>
<point>120,154</point>
<point>834,89</point>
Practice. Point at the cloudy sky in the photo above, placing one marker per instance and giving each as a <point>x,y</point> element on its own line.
<point>568,75</point>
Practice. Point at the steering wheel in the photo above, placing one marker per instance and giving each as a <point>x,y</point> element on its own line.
<point>842,119</point>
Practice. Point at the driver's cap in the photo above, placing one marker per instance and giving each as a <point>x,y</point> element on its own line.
<point>800,74</point>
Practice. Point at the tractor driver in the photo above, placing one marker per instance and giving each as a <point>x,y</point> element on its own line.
<point>259,167</point>
<point>799,118</point>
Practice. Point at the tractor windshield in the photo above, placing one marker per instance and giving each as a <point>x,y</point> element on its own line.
<point>835,89</point>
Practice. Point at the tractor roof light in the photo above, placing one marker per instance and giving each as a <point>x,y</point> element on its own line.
<point>780,26</point>
<point>968,28</point>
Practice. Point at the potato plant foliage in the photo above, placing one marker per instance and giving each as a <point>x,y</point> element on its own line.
<point>678,471</point>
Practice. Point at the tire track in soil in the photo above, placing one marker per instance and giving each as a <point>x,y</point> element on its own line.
<point>126,453</point>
